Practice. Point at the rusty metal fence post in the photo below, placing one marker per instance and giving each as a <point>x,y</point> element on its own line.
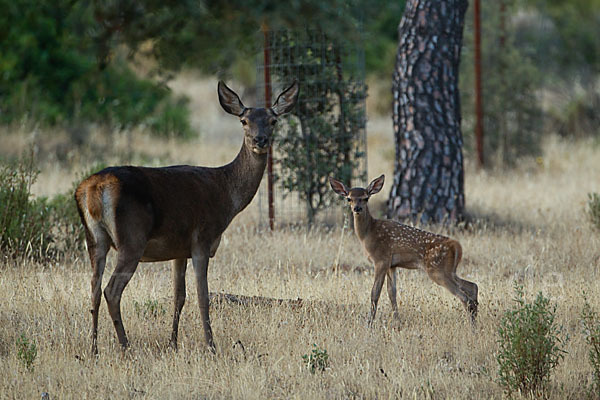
<point>267,70</point>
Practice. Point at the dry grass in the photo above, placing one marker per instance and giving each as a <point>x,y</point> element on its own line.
<point>529,227</point>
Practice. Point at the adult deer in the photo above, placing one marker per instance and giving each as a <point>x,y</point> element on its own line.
<point>390,245</point>
<point>173,213</point>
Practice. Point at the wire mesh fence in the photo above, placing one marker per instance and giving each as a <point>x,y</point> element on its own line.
<point>326,133</point>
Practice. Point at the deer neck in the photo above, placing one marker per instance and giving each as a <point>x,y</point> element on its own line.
<point>243,176</point>
<point>362,224</point>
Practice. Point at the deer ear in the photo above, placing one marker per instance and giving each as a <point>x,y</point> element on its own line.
<point>375,186</point>
<point>229,100</point>
<point>286,100</point>
<point>338,187</point>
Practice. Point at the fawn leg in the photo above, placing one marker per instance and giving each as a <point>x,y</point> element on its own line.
<point>380,273</point>
<point>391,289</point>
<point>447,280</point>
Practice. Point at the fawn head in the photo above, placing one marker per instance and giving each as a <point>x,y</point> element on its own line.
<point>357,197</point>
<point>258,123</point>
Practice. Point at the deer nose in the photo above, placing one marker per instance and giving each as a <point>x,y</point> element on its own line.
<point>261,141</point>
<point>357,209</point>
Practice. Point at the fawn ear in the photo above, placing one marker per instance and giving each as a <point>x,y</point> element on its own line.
<point>229,100</point>
<point>286,100</point>
<point>338,187</point>
<point>375,186</point>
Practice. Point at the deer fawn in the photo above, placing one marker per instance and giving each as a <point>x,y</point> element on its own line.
<point>173,213</point>
<point>392,245</point>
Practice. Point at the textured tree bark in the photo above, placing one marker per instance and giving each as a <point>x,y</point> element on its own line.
<point>428,173</point>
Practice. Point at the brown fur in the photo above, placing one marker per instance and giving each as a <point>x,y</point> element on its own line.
<point>90,191</point>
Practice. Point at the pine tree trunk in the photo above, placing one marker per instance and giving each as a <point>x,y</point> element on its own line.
<point>428,173</point>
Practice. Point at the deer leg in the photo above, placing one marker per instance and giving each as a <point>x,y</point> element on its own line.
<point>126,266</point>
<point>179,267</point>
<point>97,250</point>
<point>214,246</point>
<point>200,262</point>
<point>471,290</point>
<point>450,263</point>
<point>391,289</point>
<point>376,291</point>
<point>445,279</point>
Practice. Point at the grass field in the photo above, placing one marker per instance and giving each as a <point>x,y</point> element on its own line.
<point>529,227</point>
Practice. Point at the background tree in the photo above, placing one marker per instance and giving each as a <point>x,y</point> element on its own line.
<point>49,74</point>
<point>71,60</point>
<point>512,117</point>
<point>322,136</point>
<point>428,181</point>
<point>561,39</point>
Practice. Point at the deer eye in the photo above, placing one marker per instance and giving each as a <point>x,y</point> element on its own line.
<point>244,122</point>
<point>273,122</point>
<point>349,199</point>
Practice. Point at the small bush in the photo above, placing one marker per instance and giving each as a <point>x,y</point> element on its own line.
<point>530,345</point>
<point>24,222</point>
<point>26,351</point>
<point>172,119</point>
<point>591,331</point>
<point>149,309</point>
<point>593,210</point>
<point>36,228</point>
<point>317,360</point>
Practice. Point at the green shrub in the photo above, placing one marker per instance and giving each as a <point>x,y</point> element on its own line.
<point>317,360</point>
<point>322,136</point>
<point>36,228</point>
<point>26,351</point>
<point>593,209</point>
<point>172,119</point>
<point>530,345</point>
<point>591,331</point>
<point>24,222</point>
<point>149,309</point>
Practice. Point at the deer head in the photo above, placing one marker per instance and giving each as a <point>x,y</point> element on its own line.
<point>258,123</point>
<point>357,197</point>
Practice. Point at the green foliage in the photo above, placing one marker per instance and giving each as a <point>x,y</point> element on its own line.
<point>149,309</point>
<point>593,209</point>
<point>512,121</point>
<point>317,360</point>
<point>36,228</point>
<point>577,117</point>
<point>530,345</point>
<point>322,135</point>
<point>381,31</point>
<point>591,331</point>
<point>68,60</point>
<point>213,35</point>
<point>561,38</point>
<point>26,351</point>
<point>24,222</point>
<point>49,73</point>
<point>571,40</point>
